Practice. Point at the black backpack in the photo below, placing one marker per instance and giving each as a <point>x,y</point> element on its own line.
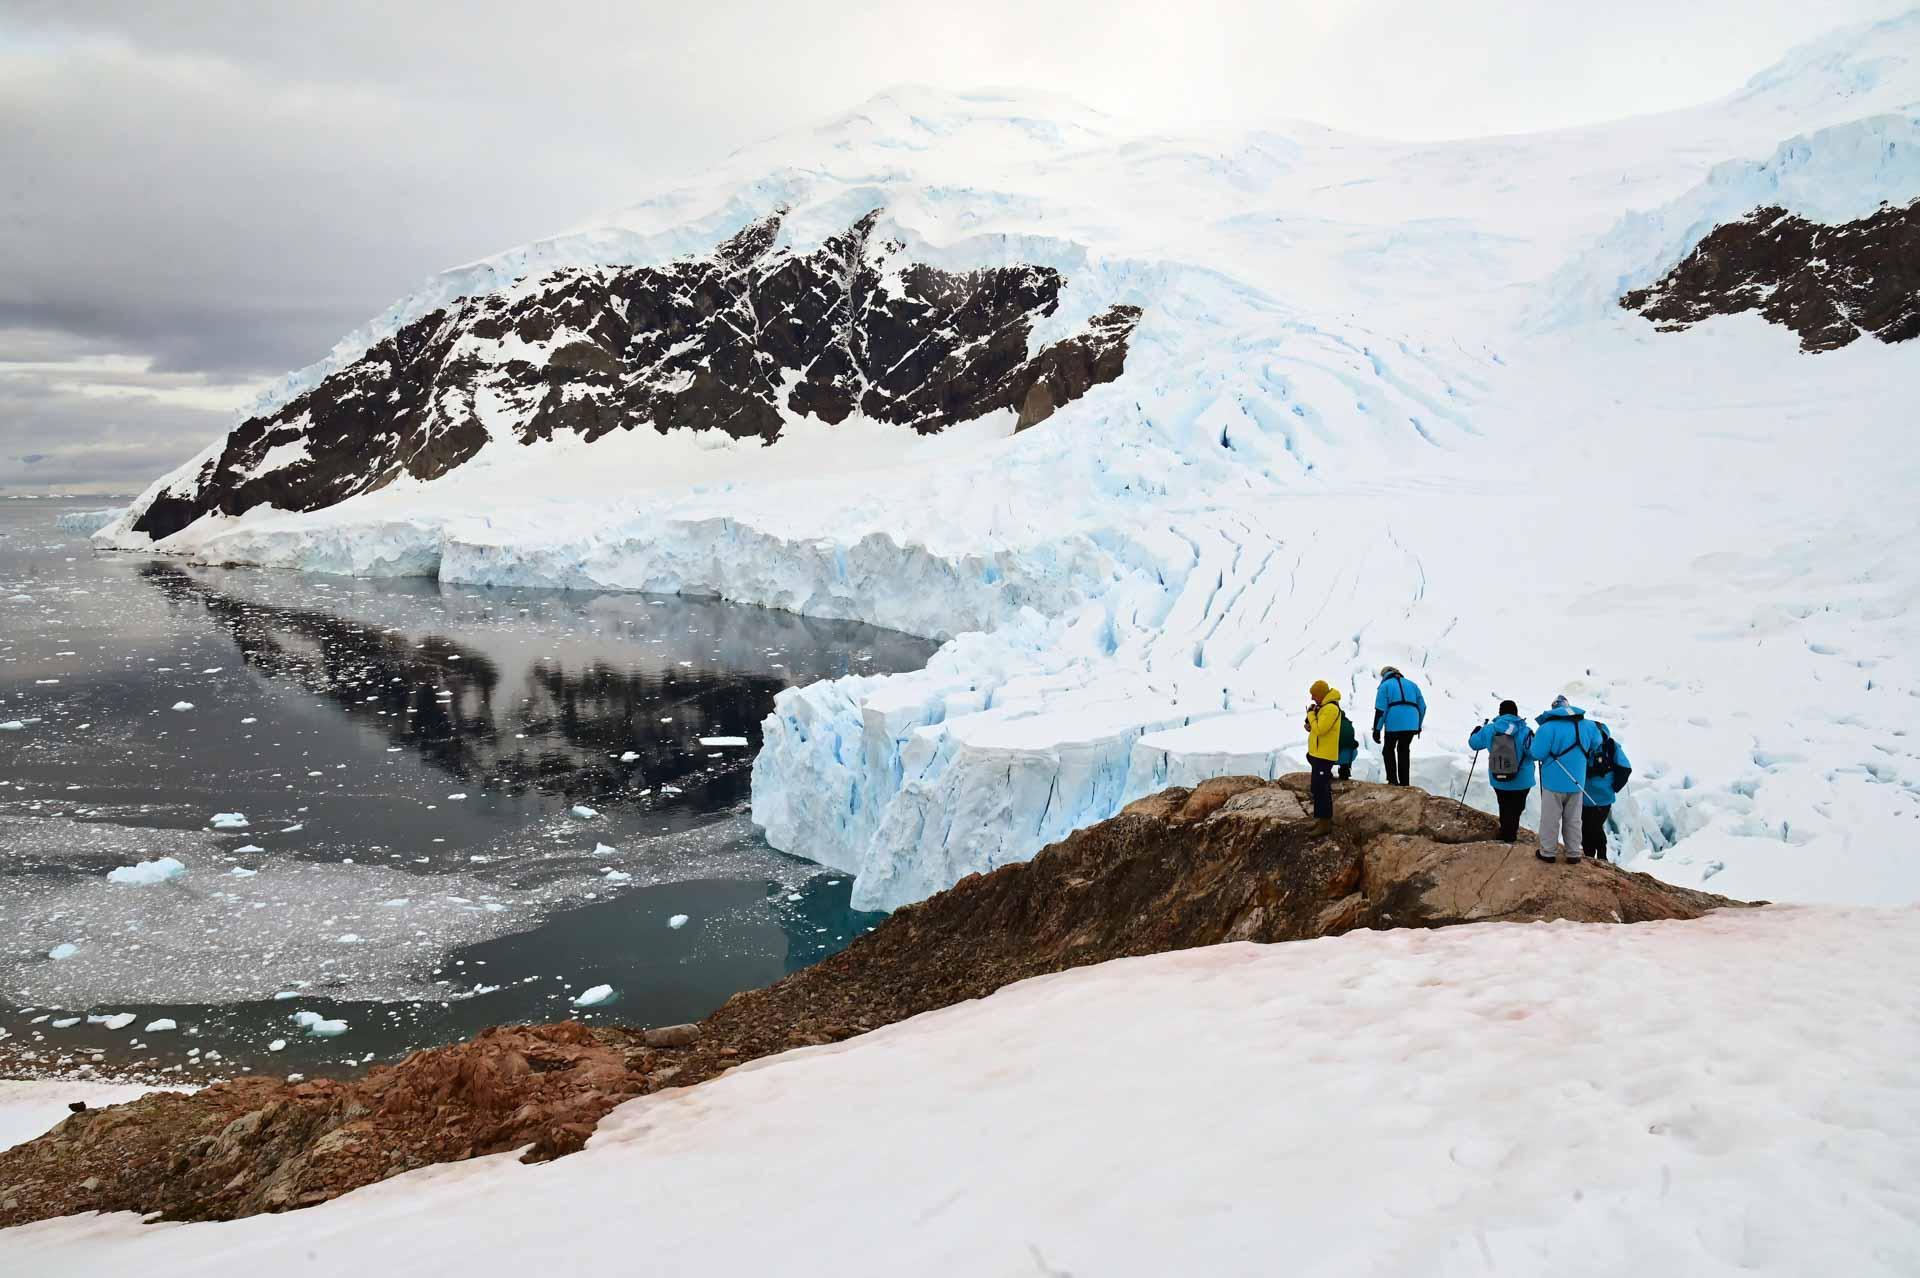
<point>1605,762</point>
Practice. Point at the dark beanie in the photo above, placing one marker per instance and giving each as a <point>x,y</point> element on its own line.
<point>1507,707</point>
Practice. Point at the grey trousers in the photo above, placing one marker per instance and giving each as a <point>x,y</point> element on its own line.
<point>1560,822</point>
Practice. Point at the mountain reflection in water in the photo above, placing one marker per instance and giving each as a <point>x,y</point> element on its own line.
<point>544,723</point>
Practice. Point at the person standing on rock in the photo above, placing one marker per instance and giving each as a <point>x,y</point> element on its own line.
<point>1507,741</point>
<point>1399,711</point>
<point>1562,746</point>
<point>1323,750</point>
<point>1606,776</point>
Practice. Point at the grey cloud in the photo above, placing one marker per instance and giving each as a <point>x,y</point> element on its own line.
<point>226,187</point>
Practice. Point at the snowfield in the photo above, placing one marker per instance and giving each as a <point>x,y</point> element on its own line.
<point>1735,1094</point>
<point>30,1108</point>
<point>1382,407</point>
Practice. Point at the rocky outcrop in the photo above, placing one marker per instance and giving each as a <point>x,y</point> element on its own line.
<point>259,1144</point>
<point>1829,284</point>
<point>734,342</point>
<point>1234,859</point>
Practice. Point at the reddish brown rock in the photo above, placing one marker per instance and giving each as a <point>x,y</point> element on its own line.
<point>1234,859</point>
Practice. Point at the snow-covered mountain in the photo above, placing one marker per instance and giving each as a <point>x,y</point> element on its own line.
<point>734,343</point>
<point>1619,411</point>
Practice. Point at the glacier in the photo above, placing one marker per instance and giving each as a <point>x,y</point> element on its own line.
<point>1382,406</point>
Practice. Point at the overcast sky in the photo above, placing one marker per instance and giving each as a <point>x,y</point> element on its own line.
<point>197,196</point>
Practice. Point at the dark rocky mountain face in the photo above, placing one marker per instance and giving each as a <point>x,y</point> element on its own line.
<point>1829,284</point>
<point>720,343</point>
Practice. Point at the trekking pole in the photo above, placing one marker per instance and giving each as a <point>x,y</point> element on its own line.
<point>1470,767</point>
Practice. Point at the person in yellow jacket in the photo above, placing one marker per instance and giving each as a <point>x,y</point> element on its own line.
<point>1323,750</point>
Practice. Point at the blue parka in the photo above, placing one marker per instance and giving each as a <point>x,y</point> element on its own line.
<point>1395,691</point>
<point>1481,738</point>
<point>1600,792</point>
<point>1561,747</point>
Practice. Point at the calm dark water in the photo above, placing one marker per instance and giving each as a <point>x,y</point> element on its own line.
<point>462,807</point>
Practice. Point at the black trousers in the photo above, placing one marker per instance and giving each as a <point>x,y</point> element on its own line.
<point>1322,788</point>
<point>1512,804</point>
<point>1397,753</point>
<point>1593,830</point>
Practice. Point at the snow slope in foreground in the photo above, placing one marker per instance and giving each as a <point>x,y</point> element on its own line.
<point>1733,1094</point>
<point>1382,407</point>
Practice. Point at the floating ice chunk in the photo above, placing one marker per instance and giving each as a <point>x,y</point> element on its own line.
<point>65,950</point>
<point>241,872</point>
<point>327,1029</point>
<point>348,938</point>
<point>277,1045</point>
<point>147,873</point>
<point>113,1020</point>
<point>283,995</point>
<point>397,903</point>
<point>677,921</point>
<point>628,757</point>
<point>19,598</point>
<point>66,1022</point>
<point>723,741</point>
<point>229,821</point>
<point>306,1020</point>
<point>294,829</point>
<point>460,795</point>
<point>603,849</point>
<point>249,719</point>
<point>13,725</point>
<point>584,812</point>
<point>618,876</point>
<point>213,670</point>
<point>251,847</point>
<point>160,1026</point>
<point>594,997</point>
<point>183,705</point>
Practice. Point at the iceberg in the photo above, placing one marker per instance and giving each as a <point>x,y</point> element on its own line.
<point>147,873</point>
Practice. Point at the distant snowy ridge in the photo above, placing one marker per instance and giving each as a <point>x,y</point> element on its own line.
<point>1346,435</point>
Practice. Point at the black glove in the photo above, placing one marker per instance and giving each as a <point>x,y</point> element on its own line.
<point>1376,736</point>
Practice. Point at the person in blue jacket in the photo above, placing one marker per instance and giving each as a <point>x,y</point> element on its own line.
<point>1603,785</point>
<point>1562,746</point>
<point>1400,711</point>
<point>1510,767</point>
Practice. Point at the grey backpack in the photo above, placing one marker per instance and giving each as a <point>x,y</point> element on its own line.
<point>1503,755</point>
